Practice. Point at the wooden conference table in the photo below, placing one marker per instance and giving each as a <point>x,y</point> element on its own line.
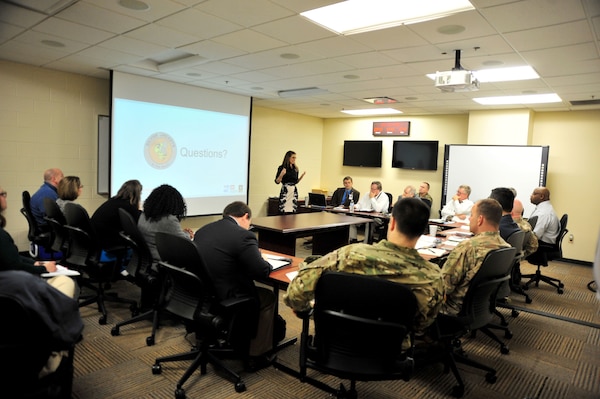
<point>329,231</point>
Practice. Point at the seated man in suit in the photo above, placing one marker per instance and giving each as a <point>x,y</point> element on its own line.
<point>394,259</point>
<point>342,195</point>
<point>234,261</point>
<point>506,198</point>
<point>531,245</point>
<point>465,260</point>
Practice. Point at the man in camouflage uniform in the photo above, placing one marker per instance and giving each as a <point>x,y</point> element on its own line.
<point>424,192</point>
<point>394,258</point>
<point>465,260</point>
<point>531,245</point>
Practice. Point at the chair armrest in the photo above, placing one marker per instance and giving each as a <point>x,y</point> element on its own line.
<point>232,303</point>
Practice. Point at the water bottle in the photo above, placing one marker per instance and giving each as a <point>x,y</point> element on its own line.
<point>351,203</point>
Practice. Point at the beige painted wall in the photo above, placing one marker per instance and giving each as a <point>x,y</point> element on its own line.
<point>448,129</point>
<point>573,174</point>
<point>505,127</point>
<point>49,119</point>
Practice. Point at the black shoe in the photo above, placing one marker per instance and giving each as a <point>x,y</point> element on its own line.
<point>256,363</point>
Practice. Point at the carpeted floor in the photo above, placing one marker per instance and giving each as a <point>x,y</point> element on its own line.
<point>554,354</point>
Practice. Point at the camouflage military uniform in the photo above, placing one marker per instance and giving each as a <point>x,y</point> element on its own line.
<point>463,263</point>
<point>531,245</point>
<point>384,259</point>
<point>426,196</point>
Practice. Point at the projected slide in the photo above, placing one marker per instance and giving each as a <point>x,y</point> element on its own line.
<point>203,153</point>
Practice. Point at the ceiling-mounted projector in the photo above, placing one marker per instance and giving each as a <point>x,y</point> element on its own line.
<point>456,80</point>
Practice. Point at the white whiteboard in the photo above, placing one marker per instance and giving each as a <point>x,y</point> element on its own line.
<point>485,167</point>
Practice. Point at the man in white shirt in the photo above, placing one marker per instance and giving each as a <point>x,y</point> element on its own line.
<point>547,226</point>
<point>458,209</point>
<point>376,201</point>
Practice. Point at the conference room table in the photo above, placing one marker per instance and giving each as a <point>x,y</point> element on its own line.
<point>329,231</point>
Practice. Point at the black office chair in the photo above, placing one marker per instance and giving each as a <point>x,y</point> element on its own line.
<point>516,241</point>
<point>391,203</point>
<point>56,221</point>
<point>144,273</point>
<point>221,327</point>
<point>39,236</point>
<point>358,335</point>
<point>477,313</point>
<point>84,255</point>
<point>544,254</point>
<point>532,221</point>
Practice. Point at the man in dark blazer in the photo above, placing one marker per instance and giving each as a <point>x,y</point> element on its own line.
<point>234,261</point>
<point>341,196</point>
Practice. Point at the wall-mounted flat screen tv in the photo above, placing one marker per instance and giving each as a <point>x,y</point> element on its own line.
<point>416,155</point>
<point>366,153</point>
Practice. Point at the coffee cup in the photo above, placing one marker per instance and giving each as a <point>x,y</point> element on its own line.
<point>433,230</point>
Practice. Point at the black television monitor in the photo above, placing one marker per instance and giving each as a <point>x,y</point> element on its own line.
<point>416,155</point>
<point>365,153</point>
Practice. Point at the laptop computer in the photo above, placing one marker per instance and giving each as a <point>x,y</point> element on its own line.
<point>317,200</point>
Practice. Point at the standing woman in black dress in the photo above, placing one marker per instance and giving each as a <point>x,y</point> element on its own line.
<point>287,175</point>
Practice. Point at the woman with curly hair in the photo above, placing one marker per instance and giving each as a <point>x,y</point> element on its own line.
<point>163,211</point>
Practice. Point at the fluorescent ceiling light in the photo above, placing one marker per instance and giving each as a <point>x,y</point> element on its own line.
<point>506,74</point>
<point>523,99</point>
<point>356,16</point>
<point>371,111</point>
<point>306,91</point>
<point>501,74</point>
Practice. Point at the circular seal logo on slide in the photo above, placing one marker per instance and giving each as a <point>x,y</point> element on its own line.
<point>160,150</point>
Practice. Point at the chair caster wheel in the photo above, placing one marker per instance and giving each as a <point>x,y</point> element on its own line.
<point>102,320</point>
<point>508,334</point>
<point>504,323</point>
<point>528,300</point>
<point>491,378</point>
<point>504,350</point>
<point>514,313</point>
<point>458,391</point>
<point>156,369</point>
<point>561,291</point>
<point>179,393</point>
<point>561,285</point>
<point>149,341</point>
<point>240,387</point>
<point>525,287</point>
<point>114,331</point>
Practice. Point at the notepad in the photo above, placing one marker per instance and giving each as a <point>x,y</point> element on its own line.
<point>432,251</point>
<point>62,271</point>
<point>278,261</point>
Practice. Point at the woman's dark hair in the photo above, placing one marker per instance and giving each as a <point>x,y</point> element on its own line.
<point>131,190</point>
<point>163,201</point>
<point>286,160</point>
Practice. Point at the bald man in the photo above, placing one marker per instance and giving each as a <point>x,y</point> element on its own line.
<point>531,245</point>
<point>49,189</point>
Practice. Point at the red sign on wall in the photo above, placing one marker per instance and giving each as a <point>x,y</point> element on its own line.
<point>391,128</point>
